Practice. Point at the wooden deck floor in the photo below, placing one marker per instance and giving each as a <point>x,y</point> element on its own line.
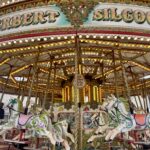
<point>5,146</point>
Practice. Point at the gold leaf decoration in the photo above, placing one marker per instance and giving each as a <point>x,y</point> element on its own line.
<point>77,11</point>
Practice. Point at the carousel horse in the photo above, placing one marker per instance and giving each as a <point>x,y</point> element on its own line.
<point>41,125</point>
<point>113,119</point>
<point>98,120</point>
<point>128,121</point>
<point>12,117</point>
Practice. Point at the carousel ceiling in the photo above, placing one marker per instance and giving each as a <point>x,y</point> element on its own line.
<point>98,58</point>
<point>101,51</point>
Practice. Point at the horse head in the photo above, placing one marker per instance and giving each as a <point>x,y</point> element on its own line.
<point>108,103</point>
<point>117,104</point>
<point>98,118</point>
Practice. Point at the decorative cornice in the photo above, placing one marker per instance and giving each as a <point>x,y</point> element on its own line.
<point>34,3</point>
<point>77,11</point>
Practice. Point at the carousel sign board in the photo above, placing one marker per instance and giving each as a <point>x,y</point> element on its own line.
<point>33,19</point>
<point>119,15</point>
<point>79,82</point>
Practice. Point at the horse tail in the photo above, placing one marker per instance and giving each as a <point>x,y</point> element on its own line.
<point>69,128</point>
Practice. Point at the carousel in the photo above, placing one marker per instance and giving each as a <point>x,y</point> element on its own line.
<point>77,73</point>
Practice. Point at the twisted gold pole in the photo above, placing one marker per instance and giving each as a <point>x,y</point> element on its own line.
<point>35,67</point>
<point>115,74</point>
<point>127,88</point>
<point>47,86</point>
<point>76,96</point>
<point>5,85</point>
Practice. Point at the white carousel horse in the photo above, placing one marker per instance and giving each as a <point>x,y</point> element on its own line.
<point>41,125</point>
<point>102,125</point>
<point>128,121</point>
<point>113,118</point>
<point>112,122</point>
<point>12,117</point>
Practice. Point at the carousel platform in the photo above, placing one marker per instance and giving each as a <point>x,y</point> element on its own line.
<point>10,145</point>
<point>5,146</point>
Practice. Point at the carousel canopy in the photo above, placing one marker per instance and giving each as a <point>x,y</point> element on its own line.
<point>42,47</point>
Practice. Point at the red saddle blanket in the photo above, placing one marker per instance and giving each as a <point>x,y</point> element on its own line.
<point>140,119</point>
<point>23,119</point>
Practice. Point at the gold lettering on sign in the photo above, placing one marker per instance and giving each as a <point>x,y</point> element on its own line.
<point>139,16</point>
<point>114,16</point>
<point>98,15</point>
<point>106,14</point>
<point>39,17</point>
<point>52,15</point>
<point>127,15</point>
<point>16,21</point>
<point>27,19</point>
<point>6,23</point>
<point>148,17</point>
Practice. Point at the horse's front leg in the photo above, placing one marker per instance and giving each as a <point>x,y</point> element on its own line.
<point>69,135</point>
<point>3,133</point>
<point>93,137</point>
<point>113,133</point>
<point>101,129</point>
<point>50,136</point>
<point>126,136</point>
<point>66,145</point>
<point>5,129</point>
<point>2,126</point>
<point>147,132</point>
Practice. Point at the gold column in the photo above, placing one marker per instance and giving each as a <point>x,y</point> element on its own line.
<point>100,94</point>
<point>63,95</point>
<point>81,95</point>
<point>95,93</point>
<point>70,93</point>
<point>73,93</point>
<point>91,93</point>
<point>67,93</point>
<point>84,94</point>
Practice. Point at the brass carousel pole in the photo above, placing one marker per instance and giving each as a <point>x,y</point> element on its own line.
<point>127,89</point>
<point>48,85</point>
<point>20,88</point>
<point>52,100</point>
<point>53,87</point>
<point>115,74</point>
<point>23,88</point>
<point>5,85</point>
<point>35,67</point>
<point>77,100</point>
<point>36,95</point>
<point>144,95</point>
<point>135,89</point>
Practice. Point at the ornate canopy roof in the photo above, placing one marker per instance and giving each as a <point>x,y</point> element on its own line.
<point>98,53</point>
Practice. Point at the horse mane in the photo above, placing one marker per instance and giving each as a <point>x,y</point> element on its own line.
<point>125,102</point>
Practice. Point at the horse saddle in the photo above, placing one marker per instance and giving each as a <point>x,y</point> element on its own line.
<point>140,119</point>
<point>23,119</point>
